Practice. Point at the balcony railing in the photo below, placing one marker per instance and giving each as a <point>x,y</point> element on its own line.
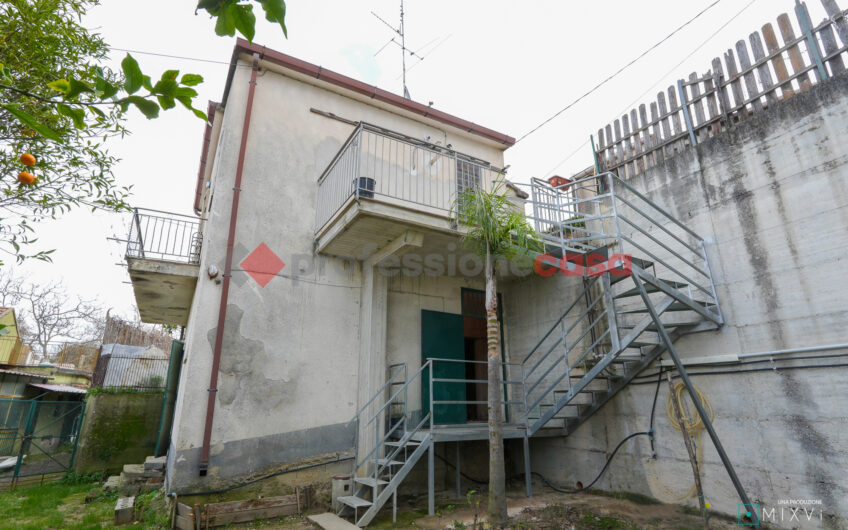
<point>383,165</point>
<point>164,236</point>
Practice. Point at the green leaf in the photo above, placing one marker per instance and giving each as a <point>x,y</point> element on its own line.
<point>75,114</point>
<point>104,89</point>
<point>165,87</point>
<point>186,101</point>
<point>132,74</point>
<point>185,92</point>
<point>147,107</point>
<point>226,24</point>
<point>77,88</point>
<point>244,19</point>
<point>191,79</point>
<point>60,85</point>
<point>275,11</point>
<point>167,102</point>
<point>32,123</point>
<point>170,75</point>
<point>212,6</point>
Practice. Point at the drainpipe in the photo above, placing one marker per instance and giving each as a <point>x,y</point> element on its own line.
<point>228,268</point>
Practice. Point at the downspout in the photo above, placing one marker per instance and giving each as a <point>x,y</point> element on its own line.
<point>228,269</point>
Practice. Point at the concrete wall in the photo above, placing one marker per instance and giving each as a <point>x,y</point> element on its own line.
<point>771,198</point>
<point>289,369</point>
<point>118,429</point>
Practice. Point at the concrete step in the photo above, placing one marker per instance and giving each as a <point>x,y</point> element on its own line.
<point>331,521</point>
<point>133,472</point>
<point>124,510</point>
<point>112,483</point>
<point>155,463</point>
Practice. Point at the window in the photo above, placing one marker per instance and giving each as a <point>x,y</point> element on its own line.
<point>468,175</point>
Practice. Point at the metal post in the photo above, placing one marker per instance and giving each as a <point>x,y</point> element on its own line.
<point>528,483</point>
<point>728,466</point>
<point>76,434</point>
<point>431,478</point>
<point>458,474</point>
<point>812,44</point>
<point>138,229</point>
<point>25,439</point>
<point>686,116</point>
<point>595,155</point>
<point>357,173</point>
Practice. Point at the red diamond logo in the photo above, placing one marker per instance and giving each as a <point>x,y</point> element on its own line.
<point>262,264</point>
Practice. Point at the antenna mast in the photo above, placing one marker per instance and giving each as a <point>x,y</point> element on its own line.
<point>402,34</point>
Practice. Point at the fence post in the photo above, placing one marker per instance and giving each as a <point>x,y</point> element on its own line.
<point>138,229</point>
<point>77,432</point>
<point>686,116</point>
<point>812,44</point>
<point>33,404</point>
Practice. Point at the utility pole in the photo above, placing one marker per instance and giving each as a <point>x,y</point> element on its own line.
<point>403,50</point>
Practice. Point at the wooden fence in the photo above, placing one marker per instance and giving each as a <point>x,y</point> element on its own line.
<point>731,91</point>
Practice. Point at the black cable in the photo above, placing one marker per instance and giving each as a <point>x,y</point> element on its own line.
<point>258,479</point>
<point>606,465</point>
<point>472,479</point>
<point>653,410</point>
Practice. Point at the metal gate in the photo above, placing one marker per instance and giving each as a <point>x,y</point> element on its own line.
<point>38,439</point>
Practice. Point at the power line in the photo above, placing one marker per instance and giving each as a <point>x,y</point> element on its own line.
<point>626,66</point>
<point>662,78</point>
<point>140,52</point>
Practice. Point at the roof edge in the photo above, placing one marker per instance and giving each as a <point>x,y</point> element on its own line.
<point>372,91</point>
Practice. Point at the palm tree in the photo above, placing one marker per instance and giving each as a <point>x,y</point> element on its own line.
<point>497,230</point>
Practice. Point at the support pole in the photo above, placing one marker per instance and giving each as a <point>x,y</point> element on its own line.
<point>528,483</point>
<point>728,466</point>
<point>458,474</point>
<point>431,480</point>
<point>686,116</point>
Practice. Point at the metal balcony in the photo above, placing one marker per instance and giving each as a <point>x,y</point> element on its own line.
<point>383,183</point>
<point>163,257</point>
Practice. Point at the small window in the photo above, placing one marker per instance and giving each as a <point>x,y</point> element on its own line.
<point>468,175</point>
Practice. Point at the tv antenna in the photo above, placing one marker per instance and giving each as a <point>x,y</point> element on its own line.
<point>404,50</point>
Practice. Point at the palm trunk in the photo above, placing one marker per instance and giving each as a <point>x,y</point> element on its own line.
<point>497,475</point>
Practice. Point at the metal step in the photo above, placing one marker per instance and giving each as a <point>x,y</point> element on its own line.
<point>676,306</point>
<point>370,481</point>
<point>354,502</point>
<point>399,443</point>
<point>649,288</point>
<point>653,327</point>
<point>387,462</point>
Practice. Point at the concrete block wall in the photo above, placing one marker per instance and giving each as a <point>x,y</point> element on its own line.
<point>770,197</point>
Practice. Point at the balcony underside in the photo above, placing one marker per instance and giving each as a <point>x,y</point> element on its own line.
<point>163,289</point>
<point>360,228</point>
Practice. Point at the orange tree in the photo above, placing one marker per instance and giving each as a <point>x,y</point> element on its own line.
<point>59,103</point>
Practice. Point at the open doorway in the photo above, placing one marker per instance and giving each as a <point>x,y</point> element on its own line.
<point>474,333</point>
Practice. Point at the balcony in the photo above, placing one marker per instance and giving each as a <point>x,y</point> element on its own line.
<point>163,260</point>
<point>383,184</point>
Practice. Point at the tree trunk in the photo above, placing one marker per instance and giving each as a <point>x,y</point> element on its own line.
<point>497,475</point>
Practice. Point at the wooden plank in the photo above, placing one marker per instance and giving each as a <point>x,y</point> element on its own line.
<point>763,70</point>
<point>721,87</point>
<point>619,150</point>
<point>611,153</point>
<point>655,133</point>
<point>600,150</point>
<point>712,106</point>
<point>627,145</point>
<point>638,163</point>
<point>183,509</point>
<point>184,522</point>
<point>252,504</point>
<point>244,516</point>
<point>841,23</point>
<point>750,82</point>
<point>777,61</point>
<point>696,107</point>
<point>735,86</point>
<point>837,66</point>
<point>795,58</point>
<point>647,141</point>
<point>679,145</point>
<point>668,150</point>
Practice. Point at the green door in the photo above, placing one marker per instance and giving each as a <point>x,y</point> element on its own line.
<point>442,338</point>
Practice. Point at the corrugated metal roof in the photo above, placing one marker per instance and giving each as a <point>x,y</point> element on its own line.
<point>60,388</point>
<point>27,374</point>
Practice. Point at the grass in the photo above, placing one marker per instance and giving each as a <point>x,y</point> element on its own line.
<point>63,505</point>
<point>636,498</point>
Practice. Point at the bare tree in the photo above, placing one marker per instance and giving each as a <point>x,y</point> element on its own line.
<point>49,314</point>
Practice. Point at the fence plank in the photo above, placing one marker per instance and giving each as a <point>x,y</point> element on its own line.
<point>735,85</point>
<point>750,80</point>
<point>721,87</point>
<point>765,74</point>
<point>679,145</point>
<point>712,107</point>
<point>795,57</point>
<point>611,154</point>
<point>647,141</point>
<point>600,150</point>
<point>656,134</point>
<point>627,145</point>
<point>638,163</point>
<point>777,61</point>
<point>837,66</point>
<point>620,150</point>
<point>834,12</point>
<point>668,150</point>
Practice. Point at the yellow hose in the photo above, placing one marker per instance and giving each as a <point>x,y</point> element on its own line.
<point>694,425</point>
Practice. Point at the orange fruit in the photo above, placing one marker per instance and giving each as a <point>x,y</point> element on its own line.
<point>26,178</point>
<point>27,159</point>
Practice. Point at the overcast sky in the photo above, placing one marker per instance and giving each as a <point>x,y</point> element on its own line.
<point>505,65</point>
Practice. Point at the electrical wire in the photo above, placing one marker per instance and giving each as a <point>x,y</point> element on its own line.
<point>662,77</point>
<point>617,72</point>
<point>654,408</point>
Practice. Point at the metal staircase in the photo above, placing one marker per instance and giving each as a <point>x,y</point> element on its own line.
<point>642,281</point>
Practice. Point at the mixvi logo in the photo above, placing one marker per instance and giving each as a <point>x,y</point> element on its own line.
<point>798,511</point>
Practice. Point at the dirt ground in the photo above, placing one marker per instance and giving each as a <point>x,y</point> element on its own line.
<point>545,510</point>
